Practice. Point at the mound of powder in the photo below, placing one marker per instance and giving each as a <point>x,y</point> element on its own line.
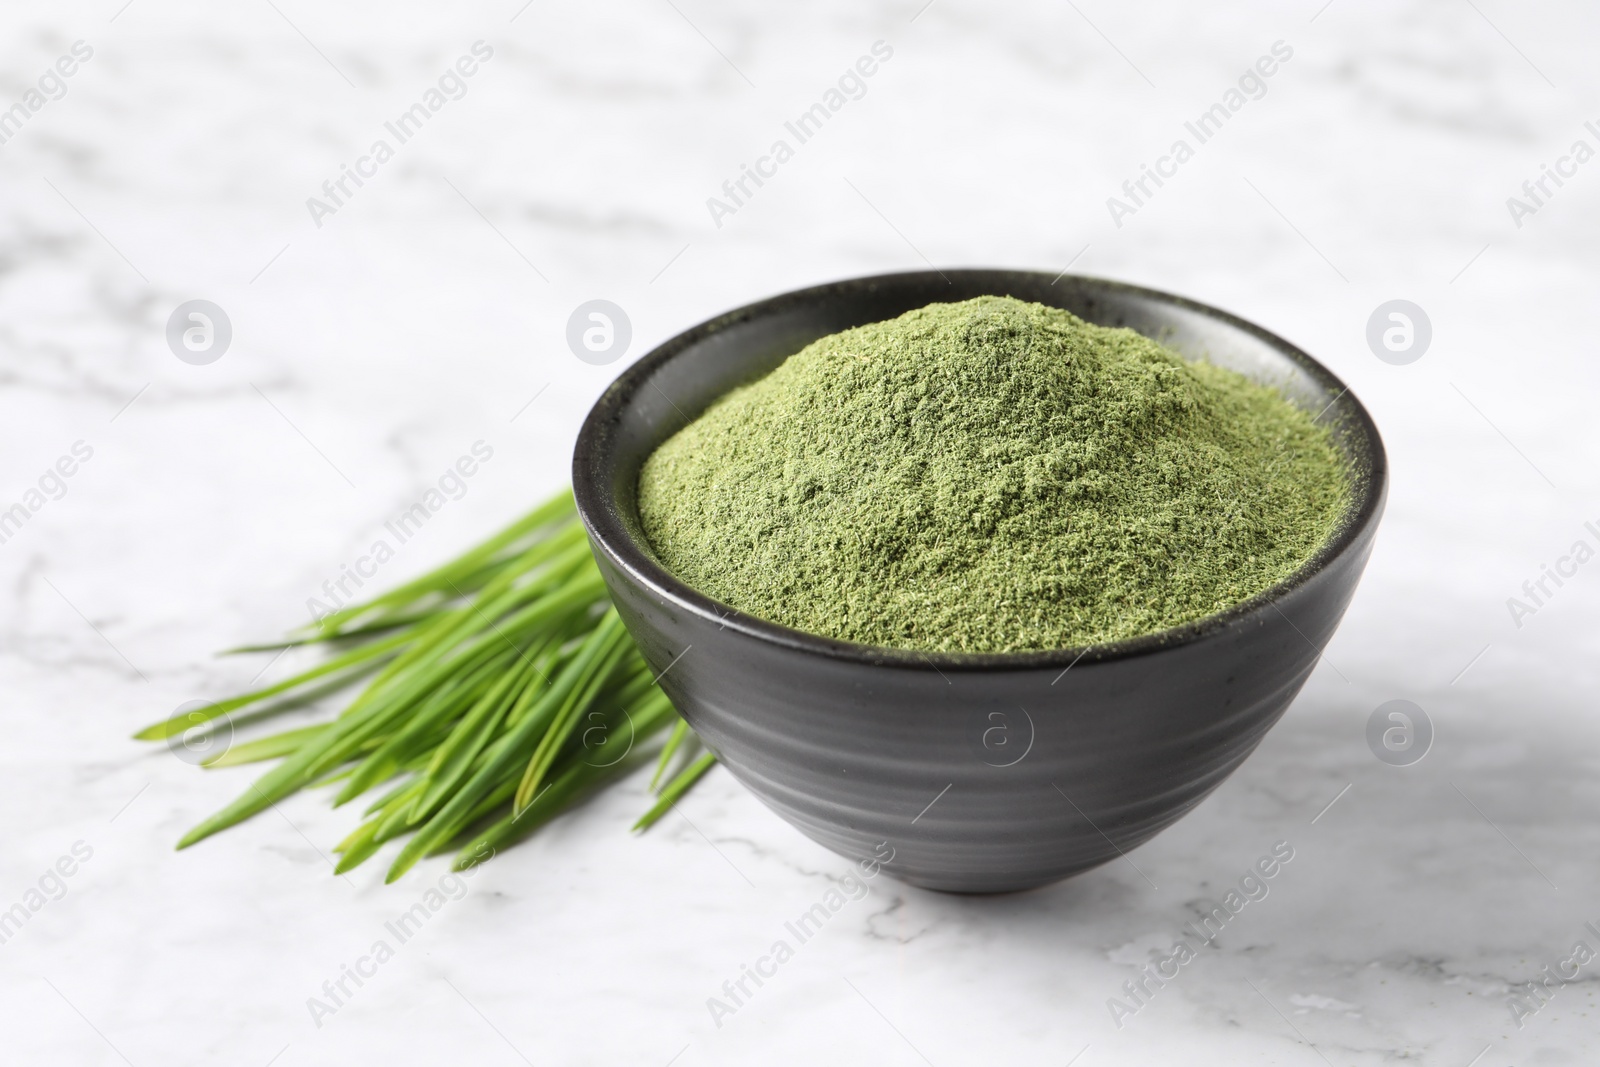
<point>991,476</point>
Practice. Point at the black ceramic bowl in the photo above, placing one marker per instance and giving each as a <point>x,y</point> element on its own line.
<point>982,773</point>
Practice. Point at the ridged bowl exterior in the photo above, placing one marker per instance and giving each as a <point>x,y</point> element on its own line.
<point>977,773</point>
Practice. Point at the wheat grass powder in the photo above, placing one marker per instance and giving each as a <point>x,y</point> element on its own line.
<point>991,476</point>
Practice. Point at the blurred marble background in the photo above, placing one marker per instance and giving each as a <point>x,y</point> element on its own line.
<point>373,345</point>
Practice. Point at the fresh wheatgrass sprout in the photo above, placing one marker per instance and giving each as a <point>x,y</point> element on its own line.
<point>500,688</point>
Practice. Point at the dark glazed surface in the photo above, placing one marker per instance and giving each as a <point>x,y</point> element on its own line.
<point>1043,764</point>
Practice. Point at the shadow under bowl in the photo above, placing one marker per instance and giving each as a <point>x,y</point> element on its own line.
<point>976,773</point>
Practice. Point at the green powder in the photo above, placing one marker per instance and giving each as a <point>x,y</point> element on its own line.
<point>991,476</point>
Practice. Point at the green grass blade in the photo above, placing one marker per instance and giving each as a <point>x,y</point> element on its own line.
<point>449,820</point>
<point>358,847</point>
<point>355,657</point>
<point>674,790</point>
<point>277,745</point>
<point>616,647</point>
<point>390,797</point>
<point>567,785</point>
<point>443,703</point>
<point>455,758</point>
<point>679,731</point>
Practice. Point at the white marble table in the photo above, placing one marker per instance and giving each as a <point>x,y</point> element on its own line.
<point>427,313</point>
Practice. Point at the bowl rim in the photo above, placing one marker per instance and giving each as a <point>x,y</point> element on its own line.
<point>597,505</point>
